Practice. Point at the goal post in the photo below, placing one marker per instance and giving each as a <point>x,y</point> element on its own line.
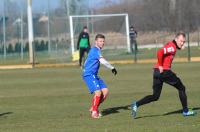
<point>126,19</point>
<point>30,31</point>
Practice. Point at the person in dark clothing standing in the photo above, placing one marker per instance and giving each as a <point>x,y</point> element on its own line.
<point>163,74</point>
<point>83,44</point>
<point>133,42</point>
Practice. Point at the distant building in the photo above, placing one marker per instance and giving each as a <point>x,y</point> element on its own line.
<point>43,18</point>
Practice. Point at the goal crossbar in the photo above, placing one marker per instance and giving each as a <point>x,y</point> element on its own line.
<point>99,15</point>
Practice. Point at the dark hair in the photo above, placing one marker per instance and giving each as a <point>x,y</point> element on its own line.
<point>99,36</point>
<point>85,27</point>
<point>180,33</point>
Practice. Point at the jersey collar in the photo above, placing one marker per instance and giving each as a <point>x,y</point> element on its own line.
<point>97,47</point>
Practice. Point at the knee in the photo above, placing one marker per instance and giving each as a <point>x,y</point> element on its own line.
<point>179,85</point>
<point>105,92</point>
<point>98,93</point>
<point>155,97</point>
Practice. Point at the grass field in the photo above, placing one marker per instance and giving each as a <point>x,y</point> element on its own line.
<point>57,100</point>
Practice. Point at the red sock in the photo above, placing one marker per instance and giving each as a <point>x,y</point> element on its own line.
<point>95,103</point>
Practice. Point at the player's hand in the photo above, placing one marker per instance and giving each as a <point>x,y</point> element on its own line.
<point>160,69</point>
<point>114,71</point>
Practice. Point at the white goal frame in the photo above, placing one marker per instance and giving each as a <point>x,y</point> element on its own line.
<point>100,15</point>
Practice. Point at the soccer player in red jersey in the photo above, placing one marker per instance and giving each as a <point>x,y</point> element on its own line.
<point>162,73</point>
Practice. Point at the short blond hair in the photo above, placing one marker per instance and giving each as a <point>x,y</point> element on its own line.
<point>180,34</point>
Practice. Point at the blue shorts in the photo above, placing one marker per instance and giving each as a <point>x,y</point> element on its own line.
<point>94,83</point>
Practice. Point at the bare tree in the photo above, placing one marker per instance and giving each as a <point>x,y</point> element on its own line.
<point>150,15</point>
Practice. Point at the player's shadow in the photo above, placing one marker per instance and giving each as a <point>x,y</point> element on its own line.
<point>114,110</point>
<point>5,113</point>
<point>179,111</point>
<point>166,114</point>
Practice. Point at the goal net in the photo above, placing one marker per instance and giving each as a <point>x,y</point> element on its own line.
<point>115,27</point>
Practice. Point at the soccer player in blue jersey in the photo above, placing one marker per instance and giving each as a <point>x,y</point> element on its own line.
<point>90,75</point>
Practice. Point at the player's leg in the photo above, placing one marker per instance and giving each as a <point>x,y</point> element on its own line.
<point>131,41</point>
<point>87,50</point>
<point>104,89</point>
<point>157,88</point>
<point>93,86</point>
<point>84,55</point>
<point>81,53</point>
<point>104,94</point>
<point>95,104</point>
<point>170,78</point>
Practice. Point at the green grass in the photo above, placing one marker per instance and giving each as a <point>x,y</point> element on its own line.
<point>57,100</point>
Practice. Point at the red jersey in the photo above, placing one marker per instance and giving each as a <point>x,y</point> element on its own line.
<point>166,55</point>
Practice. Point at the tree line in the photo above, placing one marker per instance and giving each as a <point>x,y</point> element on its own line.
<point>16,48</point>
<point>158,15</point>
